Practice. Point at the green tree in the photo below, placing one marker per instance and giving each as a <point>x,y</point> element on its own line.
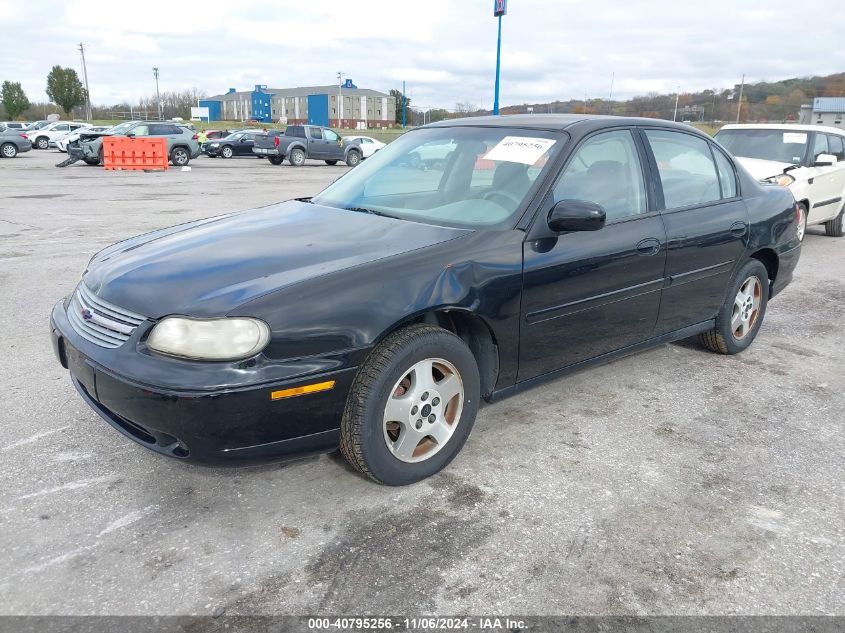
<point>397,95</point>
<point>14,99</point>
<point>65,89</point>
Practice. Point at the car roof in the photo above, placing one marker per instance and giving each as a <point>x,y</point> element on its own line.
<point>559,122</point>
<point>786,127</point>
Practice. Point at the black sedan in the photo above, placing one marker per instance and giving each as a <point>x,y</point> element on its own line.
<point>378,314</point>
<point>235,144</point>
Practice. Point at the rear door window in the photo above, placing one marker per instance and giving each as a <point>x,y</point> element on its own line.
<point>727,175</point>
<point>686,168</point>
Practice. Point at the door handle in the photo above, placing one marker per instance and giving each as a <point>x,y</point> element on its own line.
<point>739,229</point>
<point>648,246</point>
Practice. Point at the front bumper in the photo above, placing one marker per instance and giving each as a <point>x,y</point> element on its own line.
<point>210,151</point>
<point>218,426</point>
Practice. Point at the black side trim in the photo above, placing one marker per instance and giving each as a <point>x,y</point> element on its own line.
<point>824,203</point>
<point>701,273</point>
<point>554,312</point>
<point>677,335</point>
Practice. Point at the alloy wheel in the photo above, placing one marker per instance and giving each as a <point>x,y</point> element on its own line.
<point>9,150</point>
<point>746,308</point>
<point>423,410</point>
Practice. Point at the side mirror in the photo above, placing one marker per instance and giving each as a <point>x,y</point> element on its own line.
<point>825,160</point>
<point>576,215</point>
<point>130,135</point>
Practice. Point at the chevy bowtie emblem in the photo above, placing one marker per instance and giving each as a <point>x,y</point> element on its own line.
<point>86,314</point>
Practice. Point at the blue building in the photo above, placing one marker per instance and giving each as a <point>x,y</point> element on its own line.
<point>345,106</point>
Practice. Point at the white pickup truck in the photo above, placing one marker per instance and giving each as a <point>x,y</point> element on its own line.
<point>809,159</point>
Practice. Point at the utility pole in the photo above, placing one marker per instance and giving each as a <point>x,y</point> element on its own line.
<point>85,77</point>
<point>404,104</point>
<point>677,96</point>
<point>610,98</point>
<point>158,94</point>
<point>741,90</point>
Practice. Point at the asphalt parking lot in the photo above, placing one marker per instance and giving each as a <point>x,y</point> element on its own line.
<point>675,481</point>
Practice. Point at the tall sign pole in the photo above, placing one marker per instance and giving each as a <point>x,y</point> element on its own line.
<point>85,77</point>
<point>741,90</point>
<point>404,105</point>
<point>500,8</point>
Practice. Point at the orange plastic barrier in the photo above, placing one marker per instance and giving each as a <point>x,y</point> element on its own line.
<point>121,152</point>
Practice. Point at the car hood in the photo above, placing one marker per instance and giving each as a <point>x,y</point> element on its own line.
<point>761,169</point>
<point>210,267</point>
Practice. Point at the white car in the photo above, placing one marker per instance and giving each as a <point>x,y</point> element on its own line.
<point>41,138</point>
<point>61,143</point>
<point>809,159</point>
<point>369,146</point>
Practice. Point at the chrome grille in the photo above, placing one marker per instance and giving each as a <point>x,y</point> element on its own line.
<point>106,324</point>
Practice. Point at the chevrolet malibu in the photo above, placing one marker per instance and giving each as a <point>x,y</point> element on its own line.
<point>377,315</point>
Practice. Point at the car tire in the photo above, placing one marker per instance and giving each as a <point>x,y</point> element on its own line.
<point>180,157</point>
<point>353,157</point>
<point>741,316</point>
<point>42,142</point>
<point>8,150</point>
<point>227,152</point>
<point>297,157</point>
<point>331,162</point>
<point>276,160</point>
<point>406,374</point>
<point>802,223</point>
<point>834,227</point>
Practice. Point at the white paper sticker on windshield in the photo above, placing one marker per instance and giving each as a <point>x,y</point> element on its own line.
<point>795,137</point>
<point>520,149</point>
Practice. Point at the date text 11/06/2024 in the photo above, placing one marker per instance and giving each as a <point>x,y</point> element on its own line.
<point>412,624</point>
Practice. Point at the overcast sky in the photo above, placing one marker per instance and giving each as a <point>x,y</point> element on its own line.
<point>444,49</point>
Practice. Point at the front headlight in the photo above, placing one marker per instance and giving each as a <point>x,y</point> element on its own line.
<point>214,144</point>
<point>784,180</point>
<point>209,339</point>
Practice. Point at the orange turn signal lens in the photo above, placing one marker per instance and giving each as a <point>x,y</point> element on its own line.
<point>301,391</point>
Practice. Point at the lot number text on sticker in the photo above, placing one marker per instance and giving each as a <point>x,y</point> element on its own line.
<point>520,149</point>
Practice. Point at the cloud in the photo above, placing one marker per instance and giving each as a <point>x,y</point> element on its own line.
<point>443,49</point>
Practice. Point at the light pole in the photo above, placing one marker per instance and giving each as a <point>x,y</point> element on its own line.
<point>677,96</point>
<point>339,99</point>
<point>741,90</point>
<point>500,8</point>
<point>85,76</point>
<point>158,94</point>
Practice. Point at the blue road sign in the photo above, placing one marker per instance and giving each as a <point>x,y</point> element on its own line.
<point>500,8</point>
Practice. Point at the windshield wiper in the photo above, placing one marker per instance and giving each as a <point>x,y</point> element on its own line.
<point>370,211</point>
<point>790,168</point>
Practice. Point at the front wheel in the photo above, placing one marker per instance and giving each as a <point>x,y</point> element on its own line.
<point>297,157</point>
<point>802,221</point>
<point>834,227</point>
<point>353,158</point>
<point>742,314</point>
<point>8,150</point>
<point>180,157</point>
<point>227,152</point>
<point>411,407</point>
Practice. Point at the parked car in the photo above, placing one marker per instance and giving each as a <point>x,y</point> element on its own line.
<point>182,145</point>
<point>301,142</point>
<point>12,142</point>
<point>809,159</point>
<point>13,125</point>
<point>62,142</point>
<point>41,137</point>
<point>377,314</point>
<point>236,144</point>
<point>369,145</point>
<point>37,125</point>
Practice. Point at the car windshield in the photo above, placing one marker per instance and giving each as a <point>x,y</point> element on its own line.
<point>40,125</point>
<point>784,146</point>
<point>120,128</point>
<point>470,177</point>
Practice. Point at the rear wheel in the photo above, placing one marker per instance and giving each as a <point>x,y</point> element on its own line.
<point>8,150</point>
<point>276,160</point>
<point>331,162</point>
<point>834,227</point>
<point>42,142</point>
<point>353,158</point>
<point>411,407</point>
<point>742,314</point>
<point>297,157</point>
<point>227,152</point>
<point>180,157</point>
